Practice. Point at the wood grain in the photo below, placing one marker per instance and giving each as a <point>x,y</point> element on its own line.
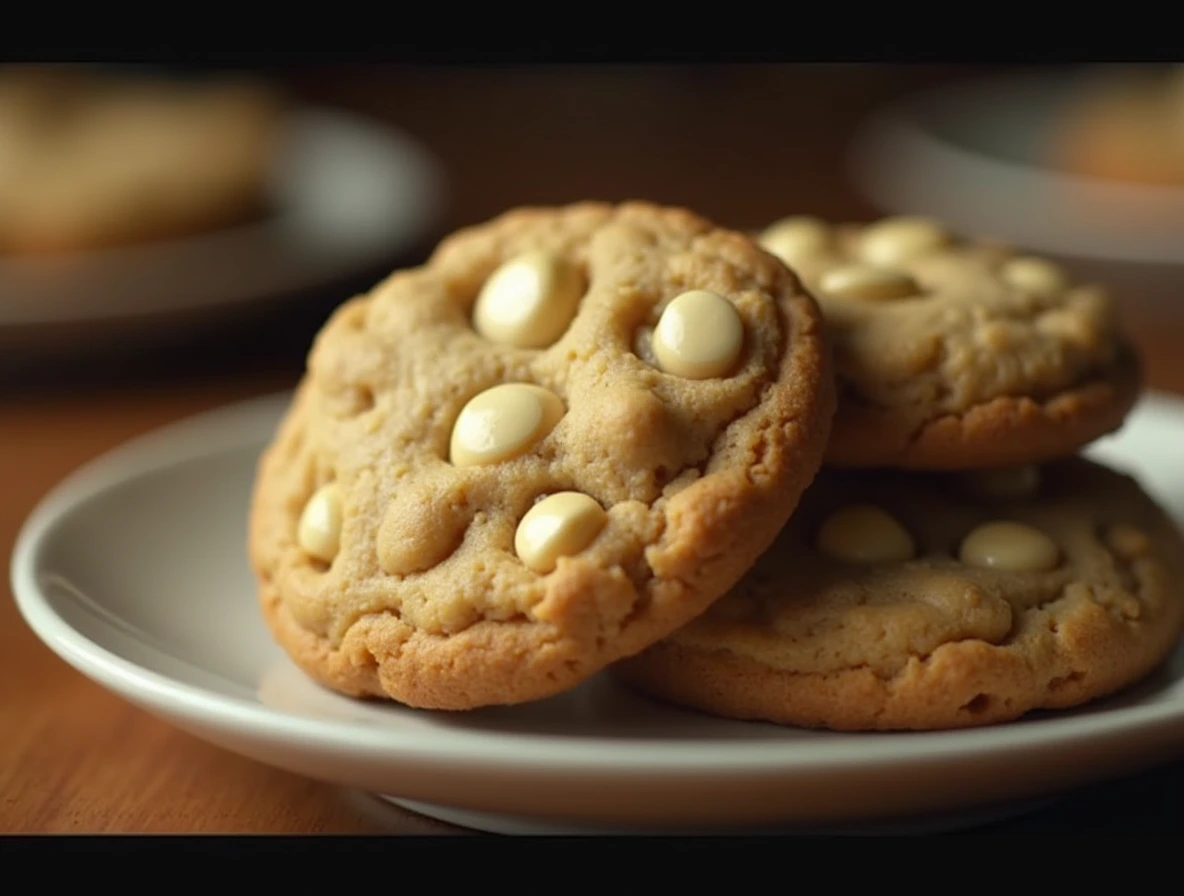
<point>743,145</point>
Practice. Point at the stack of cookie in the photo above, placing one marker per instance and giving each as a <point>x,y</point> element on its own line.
<point>955,563</point>
<point>589,436</point>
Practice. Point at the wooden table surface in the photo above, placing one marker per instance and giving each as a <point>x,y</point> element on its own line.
<point>742,145</point>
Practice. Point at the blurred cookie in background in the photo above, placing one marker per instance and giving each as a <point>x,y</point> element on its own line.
<point>1127,124</point>
<point>146,209</point>
<point>93,158</point>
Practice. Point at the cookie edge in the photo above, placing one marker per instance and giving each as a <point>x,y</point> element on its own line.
<point>1008,430</point>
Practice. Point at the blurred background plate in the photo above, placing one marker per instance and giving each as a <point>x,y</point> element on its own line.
<point>350,195</point>
<point>988,155</point>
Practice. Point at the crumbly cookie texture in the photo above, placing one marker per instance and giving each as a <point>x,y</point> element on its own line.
<point>898,600</point>
<point>471,504</point>
<point>952,354</point>
<point>91,159</point>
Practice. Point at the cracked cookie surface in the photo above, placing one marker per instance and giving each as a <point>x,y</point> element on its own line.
<point>956,354</point>
<point>477,501</point>
<point>899,600</point>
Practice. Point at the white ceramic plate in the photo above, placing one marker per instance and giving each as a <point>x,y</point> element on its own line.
<point>134,572</point>
<point>348,192</point>
<point>977,154</point>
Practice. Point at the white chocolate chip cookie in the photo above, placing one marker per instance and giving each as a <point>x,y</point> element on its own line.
<point>551,445</point>
<point>957,354</point>
<point>897,600</point>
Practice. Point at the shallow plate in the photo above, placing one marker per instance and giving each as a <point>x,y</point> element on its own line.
<point>978,155</point>
<point>348,193</point>
<point>134,572</point>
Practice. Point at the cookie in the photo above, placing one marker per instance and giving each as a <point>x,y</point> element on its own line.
<point>554,443</point>
<point>957,354</point>
<point>91,159</point>
<point>1125,125</point>
<point>902,600</point>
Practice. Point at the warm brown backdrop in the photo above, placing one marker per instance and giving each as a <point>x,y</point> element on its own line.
<point>743,145</point>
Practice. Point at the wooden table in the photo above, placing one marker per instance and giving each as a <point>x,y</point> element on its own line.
<point>742,145</point>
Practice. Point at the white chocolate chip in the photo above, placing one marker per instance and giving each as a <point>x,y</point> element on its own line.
<point>862,533</point>
<point>861,281</point>
<point>796,238</point>
<point>319,531</point>
<point>896,240</point>
<point>529,301</point>
<point>502,423</point>
<point>1035,276</point>
<point>560,525</point>
<point>1014,547</point>
<point>699,336</point>
<point>1003,482</point>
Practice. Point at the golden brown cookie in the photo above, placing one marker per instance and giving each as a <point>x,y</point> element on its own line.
<point>900,600</point>
<point>90,159</point>
<point>952,354</point>
<point>553,444</point>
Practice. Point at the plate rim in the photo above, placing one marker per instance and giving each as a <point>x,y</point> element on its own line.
<point>213,431</point>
